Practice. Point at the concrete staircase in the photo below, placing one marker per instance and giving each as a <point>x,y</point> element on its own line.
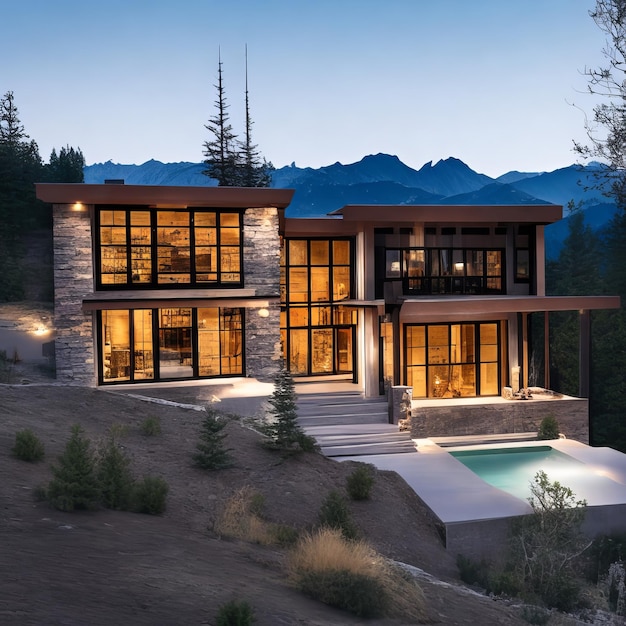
<point>347,424</point>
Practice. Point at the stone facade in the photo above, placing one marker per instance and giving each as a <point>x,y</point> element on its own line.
<point>514,416</point>
<point>73,279</point>
<point>261,253</point>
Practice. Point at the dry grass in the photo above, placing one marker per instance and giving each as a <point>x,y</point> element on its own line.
<point>326,551</point>
<point>241,519</point>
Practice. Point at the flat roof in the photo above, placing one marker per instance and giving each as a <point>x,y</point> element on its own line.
<point>444,213</point>
<point>164,196</point>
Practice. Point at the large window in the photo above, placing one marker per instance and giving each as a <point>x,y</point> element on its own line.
<point>165,344</point>
<point>152,248</point>
<point>446,270</point>
<point>317,330</point>
<point>453,360</point>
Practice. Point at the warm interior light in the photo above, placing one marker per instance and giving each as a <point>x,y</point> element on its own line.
<point>263,312</point>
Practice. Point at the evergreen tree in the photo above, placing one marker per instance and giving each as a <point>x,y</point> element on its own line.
<point>255,171</point>
<point>222,156</point>
<point>284,431</point>
<point>211,453</point>
<point>74,484</point>
<point>20,211</point>
<point>115,479</point>
<point>67,167</point>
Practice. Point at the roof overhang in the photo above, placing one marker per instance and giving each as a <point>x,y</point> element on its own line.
<point>453,214</point>
<point>166,196</point>
<point>429,309</point>
<point>155,299</point>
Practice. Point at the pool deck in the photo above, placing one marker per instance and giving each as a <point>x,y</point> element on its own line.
<point>455,494</point>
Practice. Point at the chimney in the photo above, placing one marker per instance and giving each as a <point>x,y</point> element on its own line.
<point>113,181</point>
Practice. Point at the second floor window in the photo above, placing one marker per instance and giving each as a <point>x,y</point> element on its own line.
<point>446,270</point>
<point>139,248</point>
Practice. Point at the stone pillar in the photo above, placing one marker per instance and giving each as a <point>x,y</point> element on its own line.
<point>73,279</point>
<point>261,253</point>
<point>400,399</point>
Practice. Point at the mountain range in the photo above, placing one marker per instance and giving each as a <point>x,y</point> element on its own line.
<point>384,179</point>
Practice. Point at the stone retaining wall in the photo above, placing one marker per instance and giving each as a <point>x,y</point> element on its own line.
<point>514,416</point>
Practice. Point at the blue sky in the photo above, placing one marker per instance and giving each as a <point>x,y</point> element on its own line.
<point>496,83</point>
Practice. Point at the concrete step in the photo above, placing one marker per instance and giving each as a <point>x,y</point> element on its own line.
<point>405,447</point>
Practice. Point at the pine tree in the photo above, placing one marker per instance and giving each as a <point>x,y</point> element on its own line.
<point>67,167</point>
<point>74,484</point>
<point>255,171</point>
<point>284,431</point>
<point>211,453</point>
<point>222,156</point>
<point>114,476</point>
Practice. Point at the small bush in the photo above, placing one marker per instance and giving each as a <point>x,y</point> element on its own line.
<point>210,451</point>
<point>74,484</point>
<point>535,615</point>
<point>114,476</point>
<point>235,613</point>
<point>28,447</point>
<point>352,576</point>
<point>359,483</point>
<point>241,518</point>
<point>118,431</point>
<point>334,513</point>
<point>150,495</point>
<point>361,595</point>
<point>549,428</point>
<point>150,427</point>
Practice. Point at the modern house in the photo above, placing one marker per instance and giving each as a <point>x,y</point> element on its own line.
<point>157,283</point>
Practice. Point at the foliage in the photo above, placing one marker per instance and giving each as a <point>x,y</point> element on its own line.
<point>74,484</point>
<point>150,427</point>
<point>360,482</point>
<point>547,544</point>
<point>118,430</point>
<point>283,430</point>
<point>334,513</point>
<point>28,447</point>
<point>549,428</point>
<point>604,551</point>
<point>149,495</point>
<point>235,613</point>
<point>66,167</point>
<point>231,162</point>
<point>114,476</point>
<point>352,576</point>
<point>211,453</point>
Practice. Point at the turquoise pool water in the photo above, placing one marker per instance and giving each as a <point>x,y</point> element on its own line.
<point>513,469</point>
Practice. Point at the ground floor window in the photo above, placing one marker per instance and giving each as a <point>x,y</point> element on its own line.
<point>318,339</point>
<point>453,360</point>
<point>142,345</point>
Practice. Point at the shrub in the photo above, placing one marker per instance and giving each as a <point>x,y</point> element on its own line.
<point>352,576</point>
<point>548,544</point>
<point>334,513</point>
<point>149,495</point>
<point>118,431</point>
<point>211,453</point>
<point>74,484</point>
<point>235,613</point>
<point>359,483</point>
<point>27,446</point>
<point>150,427</point>
<point>549,428</point>
<point>114,476</point>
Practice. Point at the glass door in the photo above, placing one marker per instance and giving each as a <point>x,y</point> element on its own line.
<point>175,345</point>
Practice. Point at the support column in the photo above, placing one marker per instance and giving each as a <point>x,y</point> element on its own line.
<point>584,353</point>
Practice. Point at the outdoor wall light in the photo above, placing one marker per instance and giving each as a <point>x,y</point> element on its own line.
<point>263,312</point>
<point>78,206</point>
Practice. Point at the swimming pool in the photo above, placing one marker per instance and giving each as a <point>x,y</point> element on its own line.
<point>513,469</point>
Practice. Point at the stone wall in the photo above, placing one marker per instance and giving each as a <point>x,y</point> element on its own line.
<point>73,278</point>
<point>261,251</point>
<point>514,416</point>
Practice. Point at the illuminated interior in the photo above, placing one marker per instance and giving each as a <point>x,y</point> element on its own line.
<point>142,248</point>
<point>317,331</point>
<point>183,343</point>
<point>453,360</point>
